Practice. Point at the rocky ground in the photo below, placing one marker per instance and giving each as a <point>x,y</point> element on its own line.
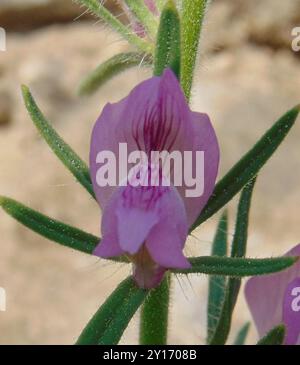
<point>246,78</point>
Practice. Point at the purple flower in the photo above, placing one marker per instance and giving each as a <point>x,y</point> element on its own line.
<point>275,299</point>
<point>149,222</point>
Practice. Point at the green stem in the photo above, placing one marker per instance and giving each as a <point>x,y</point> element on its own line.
<point>154,315</point>
<point>192,18</point>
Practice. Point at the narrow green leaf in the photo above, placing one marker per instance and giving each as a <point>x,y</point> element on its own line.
<point>222,329</point>
<point>242,335</point>
<point>239,244</point>
<point>192,18</point>
<point>154,315</point>
<point>168,52</point>
<point>110,321</point>
<point>109,69</point>
<point>144,15</point>
<point>52,229</point>
<point>248,167</point>
<point>219,247</point>
<point>102,12</point>
<point>274,337</point>
<point>237,267</point>
<point>63,151</point>
<point>216,287</point>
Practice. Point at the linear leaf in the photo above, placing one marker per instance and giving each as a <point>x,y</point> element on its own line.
<point>102,12</point>
<point>109,69</point>
<point>239,244</point>
<point>242,335</point>
<point>237,267</point>
<point>168,48</point>
<point>219,337</point>
<point>248,166</point>
<point>219,247</point>
<point>144,15</point>
<point>222,329</point>
<point>216,286</point>
<point>221,333</point>
<point>62,150</point>
<point>192,18</point>
<point>52,229</point>
<point>274,337</point>
<point>109,322</point>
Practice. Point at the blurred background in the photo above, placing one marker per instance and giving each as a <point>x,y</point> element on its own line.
<point>247,76</point>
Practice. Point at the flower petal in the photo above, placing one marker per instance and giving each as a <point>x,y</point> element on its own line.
<point>291,312</point>
<point>204,139</point>
<point>152,214</point>
<point>265,295</point>
<point>165,247</point>
<point>104,138</point>
<point>134,223</point>
<point>166,239</point>
<point>156,117</point>
<point>108,247</point>
<point>109,244</point>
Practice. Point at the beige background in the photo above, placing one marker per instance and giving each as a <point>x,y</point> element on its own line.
<point>246,77</point>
